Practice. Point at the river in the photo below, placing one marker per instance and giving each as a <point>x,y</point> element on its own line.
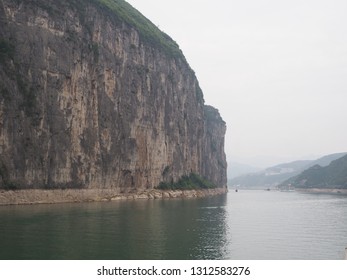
<point>251,225</point>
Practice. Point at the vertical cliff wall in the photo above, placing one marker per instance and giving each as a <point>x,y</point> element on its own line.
<point>92,95</point>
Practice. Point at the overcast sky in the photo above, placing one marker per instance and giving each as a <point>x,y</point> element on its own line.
<point>276,70</point>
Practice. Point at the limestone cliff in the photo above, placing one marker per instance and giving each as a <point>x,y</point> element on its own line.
<point>92,95</point>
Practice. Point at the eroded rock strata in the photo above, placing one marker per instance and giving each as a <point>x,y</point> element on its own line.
<point>88,99</point>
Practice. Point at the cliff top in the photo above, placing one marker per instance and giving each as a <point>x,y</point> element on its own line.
<point>149,33</point>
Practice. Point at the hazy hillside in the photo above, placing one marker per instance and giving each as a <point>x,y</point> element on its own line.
<point>326,160</point>
<point>277,174</point>
<point>332,176</point>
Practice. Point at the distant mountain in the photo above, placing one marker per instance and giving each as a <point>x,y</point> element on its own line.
<point>326,160</point>
<point>333,175</point>
<point>236,169</point>
<point>277,174</point>
<point>269,177</point>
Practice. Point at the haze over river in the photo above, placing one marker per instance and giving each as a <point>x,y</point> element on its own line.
<point>243,225</point>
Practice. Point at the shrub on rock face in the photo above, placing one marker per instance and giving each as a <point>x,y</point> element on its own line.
<point>187,182</point>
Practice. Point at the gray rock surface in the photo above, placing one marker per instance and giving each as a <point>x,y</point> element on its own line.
<point>86,102</point>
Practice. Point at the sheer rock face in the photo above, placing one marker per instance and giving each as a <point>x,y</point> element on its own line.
<point>85,102</point>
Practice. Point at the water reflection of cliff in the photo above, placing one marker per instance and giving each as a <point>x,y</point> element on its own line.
<point>193,229</point>
<point>153,229</point>
<point>167,229</point>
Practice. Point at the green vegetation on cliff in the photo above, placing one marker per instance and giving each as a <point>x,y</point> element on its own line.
<point>147,30</point>
<point>123,12</point>
<point>193,181</point>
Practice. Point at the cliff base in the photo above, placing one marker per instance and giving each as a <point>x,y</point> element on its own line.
<point>37,196</point>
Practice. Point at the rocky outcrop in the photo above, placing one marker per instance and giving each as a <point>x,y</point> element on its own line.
<point>88,99</point>
<point>214,163</point>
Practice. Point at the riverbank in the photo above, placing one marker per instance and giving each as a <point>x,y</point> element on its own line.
<point>37,196</point>
<point>323,191</point>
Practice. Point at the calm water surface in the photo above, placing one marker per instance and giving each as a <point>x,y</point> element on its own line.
<point>244,225</point>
